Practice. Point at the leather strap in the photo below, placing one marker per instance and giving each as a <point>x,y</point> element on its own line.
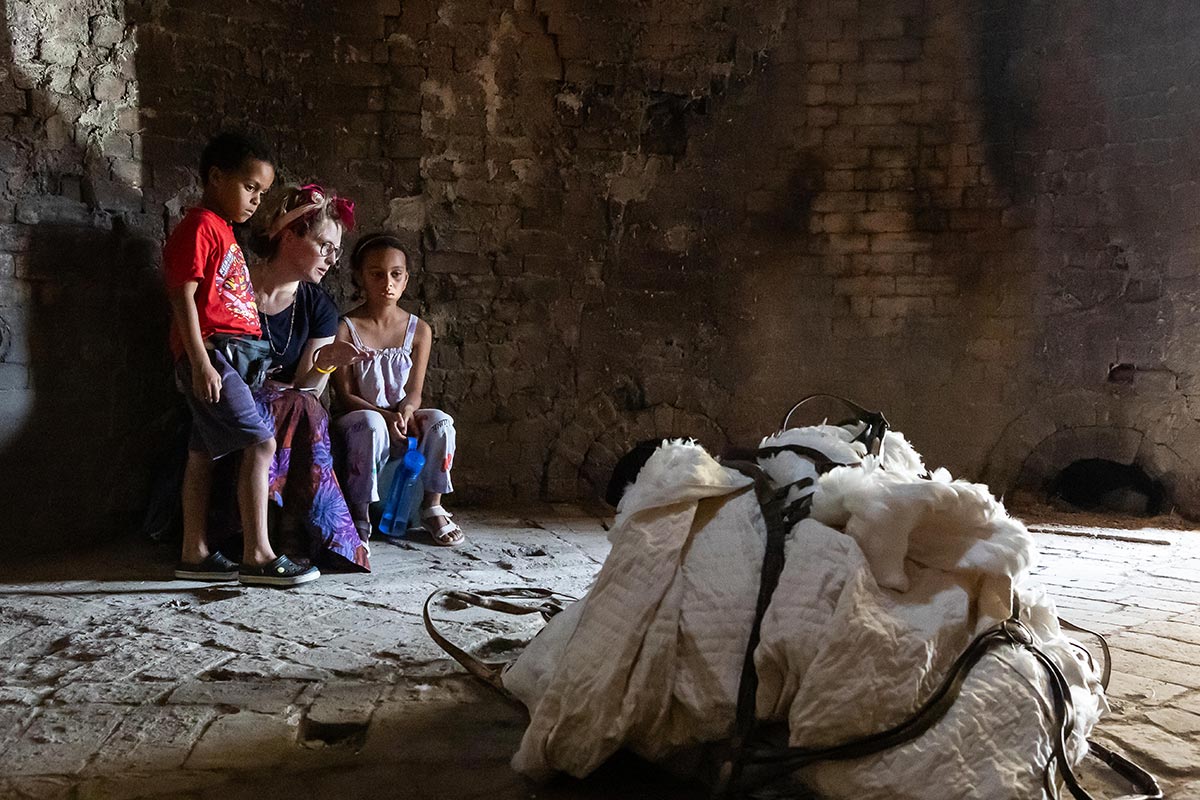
<point>1104,678</point>
<point>822,462</point>
<point>765,763</point>
<point>876,425</point>
<point>1135,775</point>
<point>494,600</point>
<point>774,512</point>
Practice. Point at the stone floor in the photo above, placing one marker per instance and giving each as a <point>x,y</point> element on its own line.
<point>119,684</point>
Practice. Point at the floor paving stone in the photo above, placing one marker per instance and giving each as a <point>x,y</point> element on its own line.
<point>1190,702</point>
<point>246,740</point>
<point>1169,755</point>
<point>130,692</point>
<point>61,740</point>
<point>1143,691</point>
<point>117,683</point>
<point>264,696</point>
<point>1176,721</point>
<point>36,788</point>
<point>1161,647</point>
<point>1150,666</point>
<point>158,738</point>
<point>341,710</point>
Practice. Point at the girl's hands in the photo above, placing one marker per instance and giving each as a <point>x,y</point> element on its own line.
<point>406,420</point>
<point>400,424</point>
<point>394,426</point>
<point>339,354</point>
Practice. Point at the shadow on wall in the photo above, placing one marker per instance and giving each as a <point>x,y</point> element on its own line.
<point>1006,87</point>
<point>83,316</point>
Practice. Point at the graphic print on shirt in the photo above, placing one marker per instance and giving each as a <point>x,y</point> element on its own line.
<point>233,285</point>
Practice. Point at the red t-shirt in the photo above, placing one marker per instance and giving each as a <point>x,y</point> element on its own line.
<point>202,249</point>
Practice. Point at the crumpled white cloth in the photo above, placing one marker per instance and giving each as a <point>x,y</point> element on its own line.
<point>883,587</point>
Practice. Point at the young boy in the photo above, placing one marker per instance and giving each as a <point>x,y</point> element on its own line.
<point>209,288</point>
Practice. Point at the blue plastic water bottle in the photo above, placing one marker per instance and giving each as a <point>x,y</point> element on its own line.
<point>403,492</point>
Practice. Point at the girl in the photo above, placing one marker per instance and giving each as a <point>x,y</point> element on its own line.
<point>382,395</point>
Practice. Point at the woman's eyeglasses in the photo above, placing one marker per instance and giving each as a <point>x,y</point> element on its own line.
<point>327,249</point>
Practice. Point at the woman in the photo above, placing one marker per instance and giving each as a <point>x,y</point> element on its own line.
<point>299,242</point>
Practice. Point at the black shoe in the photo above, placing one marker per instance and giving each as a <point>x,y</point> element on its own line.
<point>280,572</point>
<point>215,567</point>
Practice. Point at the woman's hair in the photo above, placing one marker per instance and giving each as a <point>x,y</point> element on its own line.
<point>270,223</point>
<point>375,241</point>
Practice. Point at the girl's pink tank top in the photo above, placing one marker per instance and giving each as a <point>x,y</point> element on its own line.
<point>382,377</point>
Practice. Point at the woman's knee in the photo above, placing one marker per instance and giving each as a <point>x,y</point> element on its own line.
<point>309,401</point>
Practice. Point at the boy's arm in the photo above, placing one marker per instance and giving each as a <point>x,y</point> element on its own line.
<point>206,381</point>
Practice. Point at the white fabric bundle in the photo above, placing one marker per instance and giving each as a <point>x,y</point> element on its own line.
<point>883,587</point>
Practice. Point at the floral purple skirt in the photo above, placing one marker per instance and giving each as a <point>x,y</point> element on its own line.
<point>303,483</point>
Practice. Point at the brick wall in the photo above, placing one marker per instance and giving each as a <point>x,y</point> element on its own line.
<point>639,219</point>
<point>81,318</point>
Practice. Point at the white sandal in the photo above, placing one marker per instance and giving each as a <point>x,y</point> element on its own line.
<point>449,534</point>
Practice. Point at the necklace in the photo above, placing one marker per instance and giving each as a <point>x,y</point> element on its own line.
<point>291,327</point>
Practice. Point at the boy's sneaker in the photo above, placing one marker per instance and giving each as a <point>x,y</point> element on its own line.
<point>280,572</point>
<point>215,567</point>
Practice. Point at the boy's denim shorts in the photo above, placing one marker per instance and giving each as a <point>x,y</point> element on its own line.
<point>230,424</point>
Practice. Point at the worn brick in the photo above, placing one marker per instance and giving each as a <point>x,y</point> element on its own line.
<point>865,286</point>
<point>884,221</point>
<point>109,88</point>
<point>840,201</point>
<point>898,243</point>
<point>901,306</point>
<point>864,114</point>
<point>823,73</point>
<point>926,285</point>
<point>457,263</point>
<point>908,49</point>
<point>843,50</point>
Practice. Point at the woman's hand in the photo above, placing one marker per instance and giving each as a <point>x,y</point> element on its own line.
<point>339,354</point>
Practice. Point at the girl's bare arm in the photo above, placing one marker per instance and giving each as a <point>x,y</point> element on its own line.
<point>422,344</point>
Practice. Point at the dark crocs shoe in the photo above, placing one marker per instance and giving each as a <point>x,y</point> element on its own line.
<point>280,572</point>
<point>215,567</point>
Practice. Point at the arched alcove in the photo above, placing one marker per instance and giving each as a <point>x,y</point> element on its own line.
<point>1056,452</point>
<point>1155,437</point>
<point>583,456</point>
<point>1101,484</point>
